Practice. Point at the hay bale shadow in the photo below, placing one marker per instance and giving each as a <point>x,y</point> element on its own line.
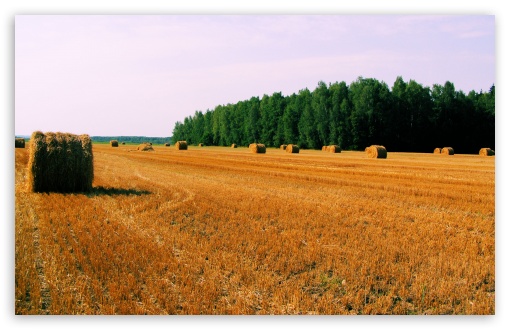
<point>101,191</point>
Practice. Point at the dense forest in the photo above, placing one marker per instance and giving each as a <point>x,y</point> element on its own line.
<point>131,139</point>
<point>409,117</point>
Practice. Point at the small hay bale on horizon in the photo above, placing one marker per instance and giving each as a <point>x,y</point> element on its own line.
<point>486,152</point>
<point>181,145</point>
<point>283,147</point>
<point>292,149</point>
<point>324,148</point>
<point>376,151</point>
<point>447,151</point>
<point>114,143</point>
<point>19,143</point>
<point>200,144</point>
<point>334,149</point>
<point>123,143</point>
<point>233,145</point>
<point>145,147</point>
<point>167,144</point>
<point>437,151</point>
<point>60,162</point>
<point>257,148</point>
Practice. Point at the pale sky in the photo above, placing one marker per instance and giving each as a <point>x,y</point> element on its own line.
<point>138,75</point>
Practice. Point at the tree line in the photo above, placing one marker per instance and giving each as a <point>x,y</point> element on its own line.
<point>409,117</point>
<point>131,139</point>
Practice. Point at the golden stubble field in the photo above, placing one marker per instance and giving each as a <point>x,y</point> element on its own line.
<point>223,231</point>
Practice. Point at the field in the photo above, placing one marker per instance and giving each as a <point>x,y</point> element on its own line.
<point>223,231</point>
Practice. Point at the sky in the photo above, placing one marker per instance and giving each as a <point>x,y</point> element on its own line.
<point>139,74</point>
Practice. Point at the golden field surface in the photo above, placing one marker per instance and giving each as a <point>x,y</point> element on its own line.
<point>218,230</point>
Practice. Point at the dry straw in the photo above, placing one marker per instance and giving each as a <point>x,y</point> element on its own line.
<point>375,151</point>
<point>114,143</point>
<point>292,149</point>
<point>447,151</point>
<point>19,143</point>
<point>181,145</point>
<point>334,149</point>
<point>486,152</point>
<point>257,148</point>
<point>145,147</point>
<point>60,162</point>
<point>437,150</point>
<point>283,147</point>
<point>233,145</point>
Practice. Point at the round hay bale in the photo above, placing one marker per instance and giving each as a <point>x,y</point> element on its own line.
<point>123,143</point>
<point>334,149</point>
<point>181,145</point>
<point>233,145</point>
<point>283,147</point>
<point>167,144</point>
<point>486,152</point>
<point>292,149</point>
<point>324,148</point>
<point>19,143</point>
<point>447,151</point>
<point>145,147</point>
<point>375,151</point>
<point>437,150</point>
<point>60,162</point>
<point>114,143</point>
<point>257,148</point>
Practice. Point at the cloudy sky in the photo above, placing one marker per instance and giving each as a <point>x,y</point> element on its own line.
<point>139,74</point>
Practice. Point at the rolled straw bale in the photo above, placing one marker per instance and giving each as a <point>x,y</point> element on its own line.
<point>437,150</point>
<point>375,151</point>
<point>114,143</point>
<point>257,148</point>
<point>324,148</point>
<point>486,152</point>
<point>145,147</point>
<point>200,144</point>
<point>334,148</point>
<point>167,144</point>
<point>447,151</point>
<point>19,143</point>
<point>292,148</point>
<point>181,145</point>
<point>233,145</point>
<point>123,143</point>
<point>60,162</point>
<point>283,147</point>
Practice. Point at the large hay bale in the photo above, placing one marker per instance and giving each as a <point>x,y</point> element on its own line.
<point>145,147</point>
<point>283,147</point>
<point>292,149</point>
<point>334,148</point>
<point>181,145</point>
<point>257,148</point>
<point>437,150</point>
<point>114,143</point>
<point>19,143</point>
<point>486,152</point>
<point>60,162</point>
<point>375,151</point>
<point>233,145</point>
<point>447,151</point>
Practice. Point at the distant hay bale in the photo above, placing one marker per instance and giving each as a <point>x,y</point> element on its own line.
<point>375,151</point>
<point>292,149</point>
<point>334,149</point>
<point>167,144</point>
<point>19,143</point>
<point>437,150</point>
<point>486,152</point>
<point>60,162</point>
<point>145,147</point>
<point>123,143</point>
<point>181,145</point>
<point>257,148</point>
<point>447,151</point>
<point>114,143</point>
<point>283,147</point>
<point>200,144</point>
<point>233,145</point>
<point>324,148</point>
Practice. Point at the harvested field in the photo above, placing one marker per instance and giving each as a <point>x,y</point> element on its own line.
<point>223,231</point>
